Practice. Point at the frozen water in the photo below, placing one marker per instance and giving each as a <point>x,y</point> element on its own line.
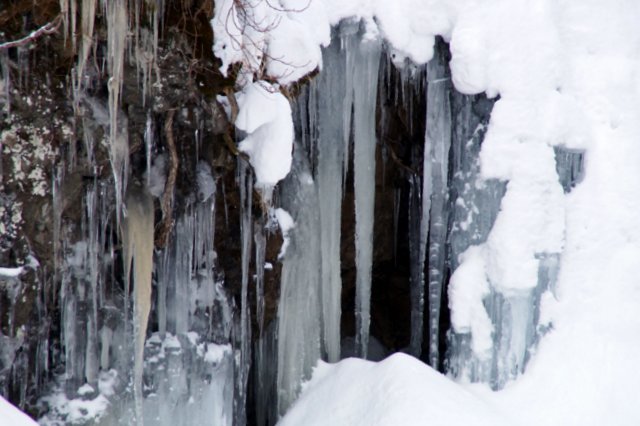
<point>331,133</point>
<point>366,64</point>
<point>138,245</point>
<point>299,310</point>
<point>435,184</point>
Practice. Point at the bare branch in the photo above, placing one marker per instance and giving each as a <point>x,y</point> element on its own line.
<point>48,28</point>
<point>396,159</point>
<point>165,226</point>
<point>281,9</point>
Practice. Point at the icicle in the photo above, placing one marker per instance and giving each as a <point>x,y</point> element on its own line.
<point>56,183</point>
<point>260,241</point>
<point>367,60</point>
<point>299,310</point>
<point>266,360</point>
<point>416,259</point>
<point>137,238</point>
<point>569,165</point>
<point>183,256</point>
<point>163,275</point>
<point>349,43</point>
<point>93,271</point>
<point>437,145</point>
<point>118,144</point>
<point>328,118</point>
<point>148,144</point>
<point>245,183</point>
<point>88,13</point>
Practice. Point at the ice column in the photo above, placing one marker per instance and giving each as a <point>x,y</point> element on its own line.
<point>243,338</point>
<point>329,87</point>
<point>117,29</point>
<point>418,231</point>
<point>299,311</point>
<point>138,249</point>
<point>435,181</point>
<point>365,81</point>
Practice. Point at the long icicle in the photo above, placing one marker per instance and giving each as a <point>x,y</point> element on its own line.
<point>118,144</point>
<point>138,248</point>
<point>437,144</point>
<point>364,166</point>
<point>330,86</point>
<point>245,183</point>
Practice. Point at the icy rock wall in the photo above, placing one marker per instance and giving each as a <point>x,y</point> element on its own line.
<point>187,365</point>
<point>69,356</point>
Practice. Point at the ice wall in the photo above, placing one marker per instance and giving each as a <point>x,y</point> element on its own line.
<point>188,365</point>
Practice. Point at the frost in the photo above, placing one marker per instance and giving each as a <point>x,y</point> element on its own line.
<point>31,153</point>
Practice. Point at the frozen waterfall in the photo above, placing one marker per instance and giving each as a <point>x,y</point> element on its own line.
<point>171,255</point>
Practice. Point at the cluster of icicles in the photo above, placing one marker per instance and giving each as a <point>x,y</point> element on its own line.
<point>195,369</point>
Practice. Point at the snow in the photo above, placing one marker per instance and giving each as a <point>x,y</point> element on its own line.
<point>74,411</point>
<point>265,114</point>
<point>567,74</point>
<point>10,415</point>
<point>467,288</point>
<point>11,272</point>
<point>216,353</point>
<point>286,224</point>
<point>399,390</point>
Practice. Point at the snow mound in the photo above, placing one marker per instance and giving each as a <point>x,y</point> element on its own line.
<point>10,415</point>
<point>397,391</point>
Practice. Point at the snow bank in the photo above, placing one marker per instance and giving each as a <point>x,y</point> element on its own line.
<point>10,415</point>
<point>399,390</point>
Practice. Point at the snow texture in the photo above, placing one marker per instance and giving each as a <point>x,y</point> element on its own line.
<point>286,224</point>
<point>11,272</point>
<point>10,415</point>
<point>399,390</point>
<point>265,114</point>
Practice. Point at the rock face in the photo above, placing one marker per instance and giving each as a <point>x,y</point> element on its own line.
<point>58,186</point>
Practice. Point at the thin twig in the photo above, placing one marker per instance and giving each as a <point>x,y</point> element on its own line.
<point>396,159</point>
<point>48,28</point>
